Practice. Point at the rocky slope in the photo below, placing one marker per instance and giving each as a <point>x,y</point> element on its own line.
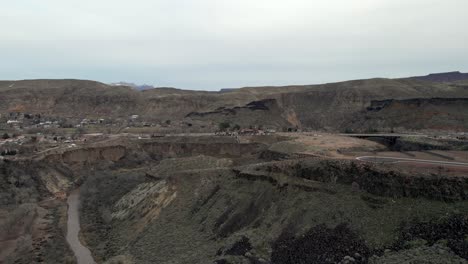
<point>313,106</point>
<point>422,113</point>
<point>214,200</point>
<point>296,211</point>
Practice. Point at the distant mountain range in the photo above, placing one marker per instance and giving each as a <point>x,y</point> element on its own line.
<point>433,77</point>
<point>134,86</point>
<point>444,77</point>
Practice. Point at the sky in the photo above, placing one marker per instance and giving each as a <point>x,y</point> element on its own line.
<point>213,44</point>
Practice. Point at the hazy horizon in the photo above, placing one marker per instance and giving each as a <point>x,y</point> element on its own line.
<point>122,82</point>
<point>214,44</point>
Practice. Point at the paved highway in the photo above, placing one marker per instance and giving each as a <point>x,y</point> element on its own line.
<point>377,159</point>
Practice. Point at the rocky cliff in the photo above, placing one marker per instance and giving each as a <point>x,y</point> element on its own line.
<point>416,113</point>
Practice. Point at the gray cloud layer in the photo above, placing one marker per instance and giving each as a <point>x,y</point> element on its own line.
<point>209,44</point>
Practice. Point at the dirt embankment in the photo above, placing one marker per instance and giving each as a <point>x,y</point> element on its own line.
<point>139,152</point>
<point>93,155</point>
<point>87,155</point>
<point>161,150</point>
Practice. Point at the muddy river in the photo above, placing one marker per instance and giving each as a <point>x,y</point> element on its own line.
<point>82,253</point>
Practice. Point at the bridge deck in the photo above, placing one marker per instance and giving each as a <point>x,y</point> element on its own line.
<point>383,135</point>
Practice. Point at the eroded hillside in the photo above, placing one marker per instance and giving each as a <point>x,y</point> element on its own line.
<point>206,199</point>
<point>325,106</point>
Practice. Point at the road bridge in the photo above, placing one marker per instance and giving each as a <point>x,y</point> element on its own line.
<point>367,135</point>
<point>389,138</point>
<point>379,159</point>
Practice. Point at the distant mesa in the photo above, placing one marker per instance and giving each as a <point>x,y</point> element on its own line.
<point>444,77</point>
<point>133,85</point>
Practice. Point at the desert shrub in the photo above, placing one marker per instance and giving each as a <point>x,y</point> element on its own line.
<point>453,229</point>
<point>223,126</point>
<point>240,247</point>
<point>319,245</point>
<point>372,130</point>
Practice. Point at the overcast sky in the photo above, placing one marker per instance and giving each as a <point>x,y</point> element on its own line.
<point>212,44</point>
